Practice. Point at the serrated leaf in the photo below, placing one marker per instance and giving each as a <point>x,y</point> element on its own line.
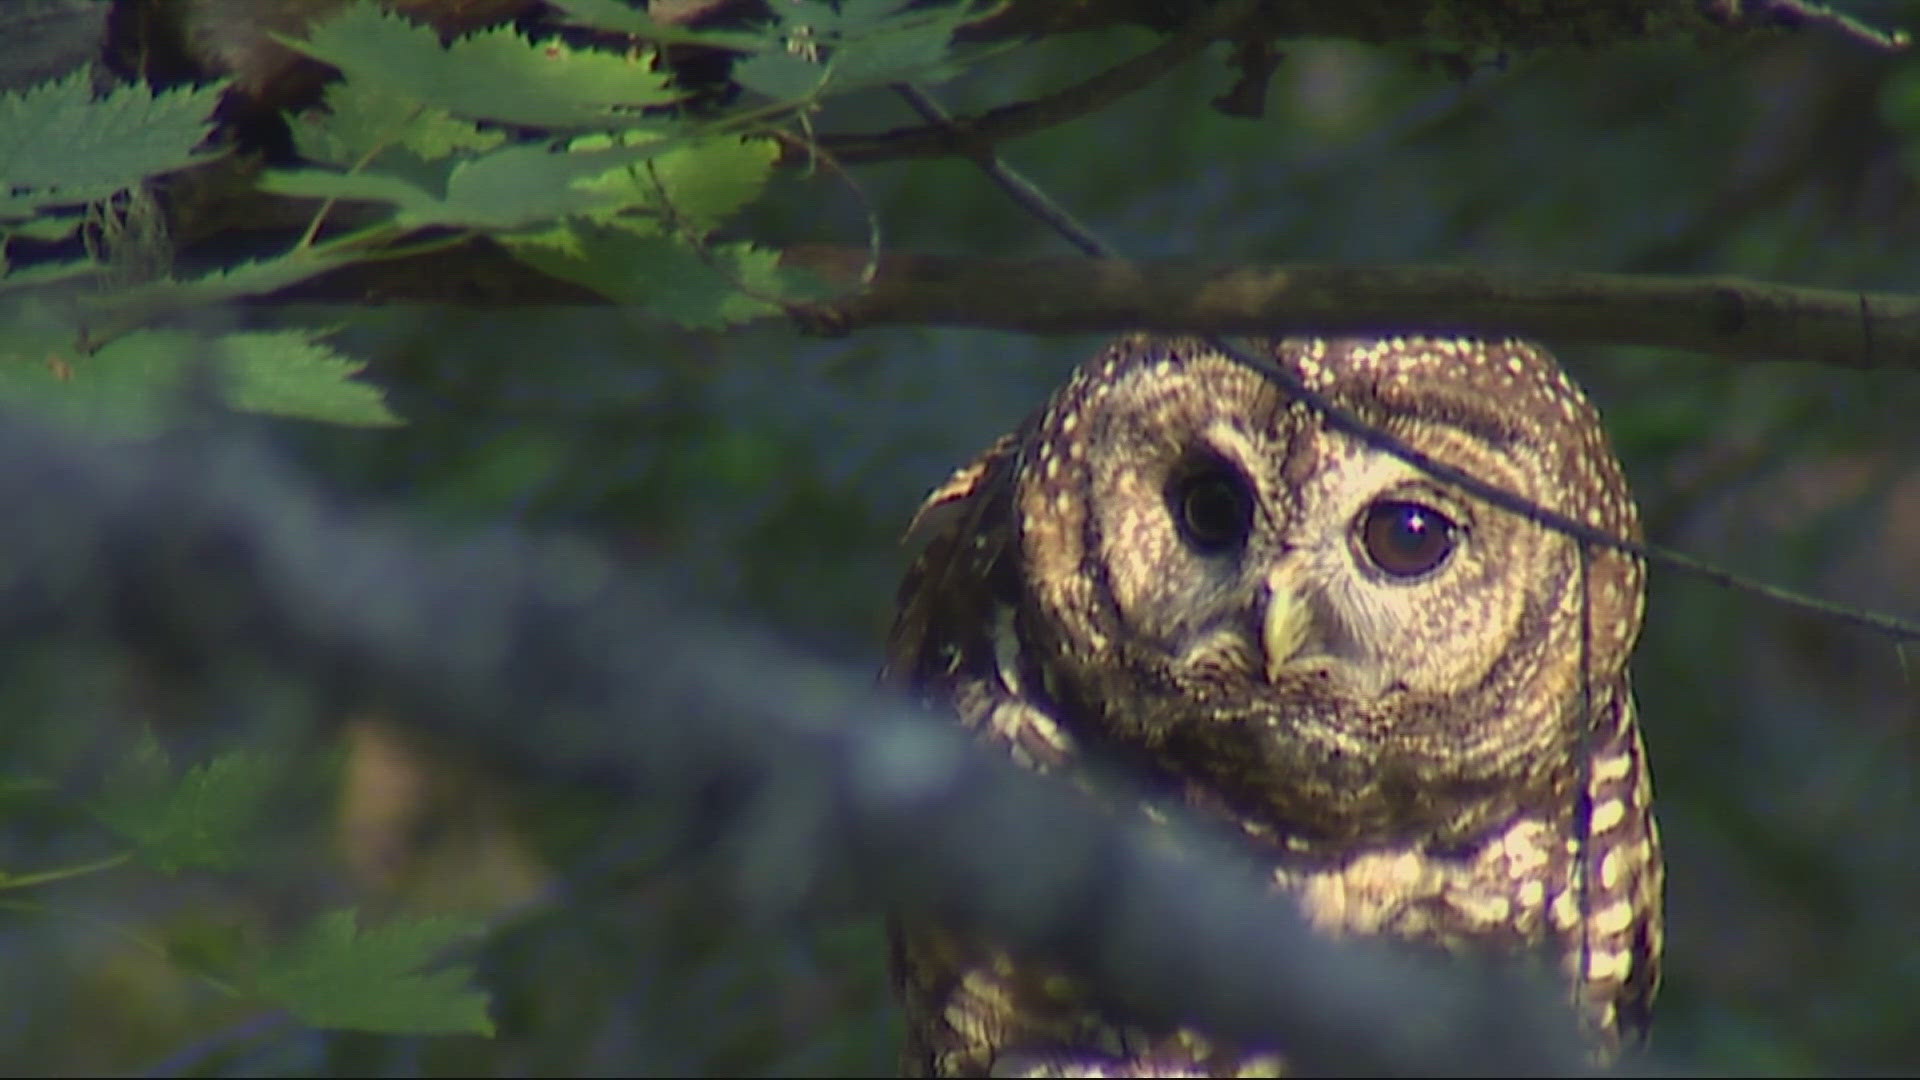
<point>523,184</point>
<point>202,820</point>
<point>61,146</point>
<point>710,180</point>
<point>362,123</point>
<point>509,188</point>
<point>288,373</point>
<point>46,228</point>
<point>781,76</point>
<point>817,16</point>
<point>492,75</point>
<point>666,277</point>
<point>349,187</point>
<point>909,53</point>
<point>135,384</point>
<point>862,43</point>
<point>144,302</point>
<point>47,273</point>
<point>336,975</point>
<point>635,22</point>
<point>703,181</point>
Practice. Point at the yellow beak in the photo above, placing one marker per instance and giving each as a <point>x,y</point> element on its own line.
<point>1284,629</point>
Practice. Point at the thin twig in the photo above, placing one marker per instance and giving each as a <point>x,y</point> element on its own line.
<point>1025,117</point>
<point>1022,191</point>
<point>1797,14</point>
<point>825,156</point>
<point>1346,422</point>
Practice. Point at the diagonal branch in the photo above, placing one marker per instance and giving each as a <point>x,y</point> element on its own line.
<point>962,134</point>
<point>563,668</point>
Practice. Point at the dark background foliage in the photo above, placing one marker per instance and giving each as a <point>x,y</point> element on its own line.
<point>774,472</point>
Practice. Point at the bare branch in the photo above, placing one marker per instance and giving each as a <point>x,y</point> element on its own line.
<point>1731,318</point>
<point>1728,317</point>
<point>1799,14</point>
<point>560,666</point>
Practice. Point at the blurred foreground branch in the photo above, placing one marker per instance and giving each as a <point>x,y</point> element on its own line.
<point>562,667</point>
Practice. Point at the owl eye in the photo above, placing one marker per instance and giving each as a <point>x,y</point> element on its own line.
<point>1406,539</point>
<point>1214,506</point>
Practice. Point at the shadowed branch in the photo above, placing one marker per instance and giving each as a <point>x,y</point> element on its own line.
<point>562,667</point>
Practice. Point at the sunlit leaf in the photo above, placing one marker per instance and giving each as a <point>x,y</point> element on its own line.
<point>59,145</point>
<point>728,283</point>
<point>495,74</point>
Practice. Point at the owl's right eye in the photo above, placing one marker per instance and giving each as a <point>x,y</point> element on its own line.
<point>1214,507</point>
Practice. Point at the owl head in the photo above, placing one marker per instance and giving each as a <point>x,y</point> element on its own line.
<point>1336,644</point>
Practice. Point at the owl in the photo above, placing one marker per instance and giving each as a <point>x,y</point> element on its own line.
<point>1410,707</point>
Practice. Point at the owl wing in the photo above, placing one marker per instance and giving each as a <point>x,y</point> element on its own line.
<point>1619,953</point>
<point>971,1010</point>
<point>963,1005</point>
<point>953,643</point>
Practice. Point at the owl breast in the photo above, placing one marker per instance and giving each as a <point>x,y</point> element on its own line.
<point>1413,706</point>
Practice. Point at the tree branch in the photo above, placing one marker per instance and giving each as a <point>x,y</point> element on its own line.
<point>1732,318</point>
<point>561,667</point>
<point>1722,316</point>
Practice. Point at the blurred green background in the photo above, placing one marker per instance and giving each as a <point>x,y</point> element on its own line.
<point>775,472</point>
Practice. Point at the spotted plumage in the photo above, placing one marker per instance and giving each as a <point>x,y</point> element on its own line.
<point>1373,679</point>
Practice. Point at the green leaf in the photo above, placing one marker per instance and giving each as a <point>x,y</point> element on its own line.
<point>351,187</point>
<point>202,820</point>
<point>130,387</point>
<point>493,75</point>
<point>336,975</point>
<point>153,300</point>
<point>708,181</point>
<point>635,22</point>
<point>135,384</point>
<point>289,373</point>
<point>60,146</point>
<point>46,274</point>
<point>822,19</point>
<point>524,184</point>
<point>861,43</point>
<point>512,187</point>
<point>704,181</point>
<point>668,278</point>
<point>781,76</point>
<point>46,228</point>
<point>910,53</point>
<point>362,123</point>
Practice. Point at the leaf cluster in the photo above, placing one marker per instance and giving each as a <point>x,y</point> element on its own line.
<point>588,164</point>
<point>206,819</point>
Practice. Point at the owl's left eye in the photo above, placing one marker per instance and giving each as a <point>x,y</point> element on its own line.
<point>1406,539</point>
<point>1214,507</point>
